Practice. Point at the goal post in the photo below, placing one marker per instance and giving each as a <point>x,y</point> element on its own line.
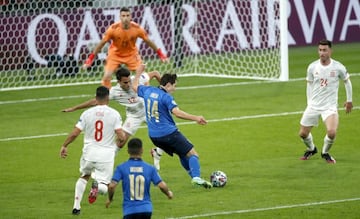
<point>284,46</point>
<point>44,43</point>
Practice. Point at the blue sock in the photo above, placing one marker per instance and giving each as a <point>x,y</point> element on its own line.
<point>185,163</point>
<point>194,165</point>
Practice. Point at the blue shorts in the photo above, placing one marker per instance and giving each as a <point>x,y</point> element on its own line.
<point>173,143</point>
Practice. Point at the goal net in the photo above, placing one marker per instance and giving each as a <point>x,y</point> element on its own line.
<point>45,43</point>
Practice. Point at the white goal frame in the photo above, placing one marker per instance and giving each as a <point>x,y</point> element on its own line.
<point>212,38</point>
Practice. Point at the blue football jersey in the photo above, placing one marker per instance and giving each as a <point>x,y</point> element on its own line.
<point>158,105</point>
<point>136,177</point>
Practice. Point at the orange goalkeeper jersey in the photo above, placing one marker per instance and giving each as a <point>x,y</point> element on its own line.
<point>124,41</point>
<point>123,48</point>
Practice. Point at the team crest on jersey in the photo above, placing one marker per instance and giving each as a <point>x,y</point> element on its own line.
<point>332,74</point>
<point>154,95</point>
<point>132,100</point>
<point>99,113</point>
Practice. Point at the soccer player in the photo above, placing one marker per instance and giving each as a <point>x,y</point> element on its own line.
<point>136,176</point>
<point>123,50</point>
<point>163,132</point>
<point>323,76</point>
<point>135,110</point>
<point>102,137</point>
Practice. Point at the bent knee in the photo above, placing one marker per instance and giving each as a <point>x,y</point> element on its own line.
<point>303,134</point>
<point>192,152</point>
<point>331,134</point>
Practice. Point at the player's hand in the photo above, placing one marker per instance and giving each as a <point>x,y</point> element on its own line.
<point>120,143</point>
<point>68,110</point>
<point>89,61</point>
<point>63,152</point>
<point>201,120</point>
<point>348,107</point>
<point>141,68</point>
<point>162,56</point>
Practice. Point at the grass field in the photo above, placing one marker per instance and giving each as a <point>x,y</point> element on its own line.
<point>251,136</point>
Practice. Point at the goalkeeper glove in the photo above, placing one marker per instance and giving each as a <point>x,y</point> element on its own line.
<point>90,60</point>
<point>161,55</point>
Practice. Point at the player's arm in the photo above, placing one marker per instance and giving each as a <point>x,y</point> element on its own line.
<point>348,88</point>
<point>165,189</point>
<point>71,137</point>
<point>120,138</point>
<point>111,192</point>
<point>187,116</point>
<point>83,105</point>
<point>89,61</point>
<point>309,87</point>
<point>158,51</point>
<point>139,71</point>
<point>154,74</point>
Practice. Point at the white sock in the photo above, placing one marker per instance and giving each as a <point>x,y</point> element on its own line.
<point>80,187</point>
<point>309,142</point>
<point>327,144</point>
<point>102,188</point>
<point>159,151</point>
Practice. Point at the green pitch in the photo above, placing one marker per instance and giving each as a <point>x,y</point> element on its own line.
<point>251,136</point>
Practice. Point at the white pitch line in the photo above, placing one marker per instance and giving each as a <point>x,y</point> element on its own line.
<point>178,88</point>
<point>44,99</point>
<point>267,209</point>
<point>179,123</point>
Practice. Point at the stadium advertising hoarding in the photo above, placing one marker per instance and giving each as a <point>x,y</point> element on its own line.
<point>71,31</point>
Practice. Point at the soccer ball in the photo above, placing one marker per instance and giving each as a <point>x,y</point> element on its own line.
<point>218,179</point>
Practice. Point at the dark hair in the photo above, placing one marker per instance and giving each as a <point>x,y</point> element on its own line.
<point>124,9</point>
<point>102,92</point>
<point>168,78</point>
<point>122,72</point>
<point>135,146</point>
<point>325,42</point>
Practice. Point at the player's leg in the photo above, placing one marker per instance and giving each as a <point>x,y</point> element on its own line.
<point>132,62</point>
<point>130,127</point>
<point>112,63</point>
<point>106,79</point>
<point>309,119</point>
<point>331,122</point>
<point>183,147</point>
<point>89,170</point>
<point>103,173</point>
<point>194,165</point>
<point>185,163</point>
<point>156,155</point>
<point>80,186</point>
<point>306,136</point>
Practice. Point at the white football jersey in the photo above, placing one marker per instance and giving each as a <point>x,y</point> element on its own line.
<point>99,124</point>
<point>325,83</point>
<point>129,98</point>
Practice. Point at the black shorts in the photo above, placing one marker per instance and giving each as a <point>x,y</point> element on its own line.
<point>173,143</point>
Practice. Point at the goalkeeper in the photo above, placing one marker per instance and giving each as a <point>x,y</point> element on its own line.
<point>123,50</point>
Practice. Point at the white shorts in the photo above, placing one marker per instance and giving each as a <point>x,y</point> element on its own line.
<point>311,116</point>
<point>102,171</point>
<point>132,124</point>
